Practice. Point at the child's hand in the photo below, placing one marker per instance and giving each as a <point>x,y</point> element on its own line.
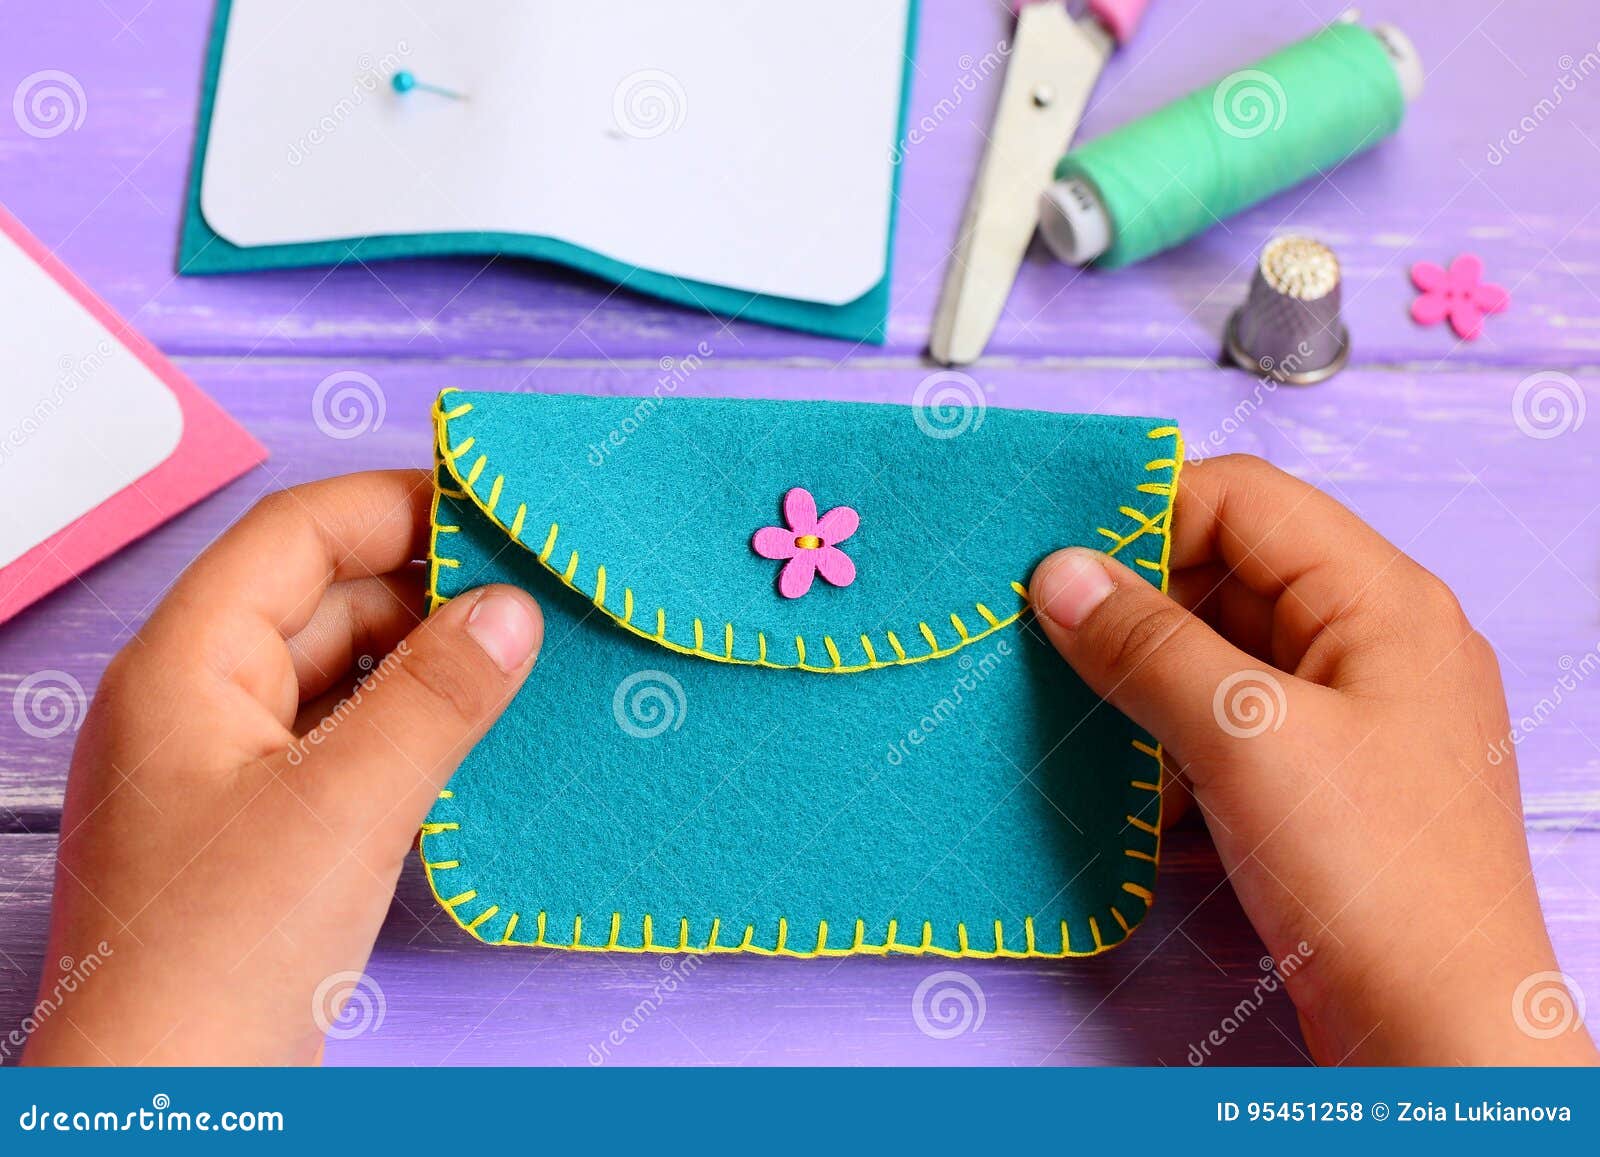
<point>231,863</point>
<point>1353,800</point>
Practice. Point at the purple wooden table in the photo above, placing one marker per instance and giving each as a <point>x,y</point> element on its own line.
<point>1500,156</point>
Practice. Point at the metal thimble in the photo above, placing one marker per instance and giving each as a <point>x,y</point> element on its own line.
<point>1289,327</point>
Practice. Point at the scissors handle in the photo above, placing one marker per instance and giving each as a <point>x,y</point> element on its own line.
<point>1118,17</point>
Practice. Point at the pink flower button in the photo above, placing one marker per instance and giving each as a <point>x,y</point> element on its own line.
<point>809,543</point>
<point>1459,293</point>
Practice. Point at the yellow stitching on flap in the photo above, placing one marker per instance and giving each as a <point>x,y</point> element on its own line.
<point>935,650</point>
<point>516,523</point>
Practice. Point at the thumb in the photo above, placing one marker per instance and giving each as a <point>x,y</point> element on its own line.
<point>400,736</point>
<point>1150,658</point>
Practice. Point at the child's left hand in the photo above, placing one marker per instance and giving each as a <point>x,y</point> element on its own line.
<point>232,831</point>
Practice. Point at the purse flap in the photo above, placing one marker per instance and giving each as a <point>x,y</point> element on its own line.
<point>651,508</point>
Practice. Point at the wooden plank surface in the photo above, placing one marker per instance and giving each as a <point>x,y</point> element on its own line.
<point>1431,459</point>
<point>449,1000</point>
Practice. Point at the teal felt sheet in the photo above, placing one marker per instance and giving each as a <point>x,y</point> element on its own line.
<point>201,250</point>
<point>901,764</point>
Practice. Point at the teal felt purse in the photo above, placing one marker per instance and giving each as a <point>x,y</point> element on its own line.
<point>900,763</point>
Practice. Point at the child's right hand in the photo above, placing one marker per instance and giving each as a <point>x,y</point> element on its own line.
<point>1333,713</point>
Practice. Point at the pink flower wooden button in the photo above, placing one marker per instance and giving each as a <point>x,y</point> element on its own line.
<point>809,543</point>
<point>1458,293</point>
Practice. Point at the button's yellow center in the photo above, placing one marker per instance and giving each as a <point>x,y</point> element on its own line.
<point>808,542</point>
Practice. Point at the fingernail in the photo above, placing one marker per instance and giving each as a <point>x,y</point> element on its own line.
<point>1070,584</point>
<point>503,626</point>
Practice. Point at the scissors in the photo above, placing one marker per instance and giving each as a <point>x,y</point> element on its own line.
<point>1055,60</point>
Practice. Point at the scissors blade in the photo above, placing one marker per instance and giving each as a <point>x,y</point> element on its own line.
<point>1055,61</point>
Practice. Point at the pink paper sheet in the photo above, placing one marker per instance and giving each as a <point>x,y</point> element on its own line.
<point>213,451</point>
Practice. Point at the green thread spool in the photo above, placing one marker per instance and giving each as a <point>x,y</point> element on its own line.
<point>1161,180</point>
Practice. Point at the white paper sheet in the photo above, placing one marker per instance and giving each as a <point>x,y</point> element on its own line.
<point>747,145</point>
<point>80,417</point>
